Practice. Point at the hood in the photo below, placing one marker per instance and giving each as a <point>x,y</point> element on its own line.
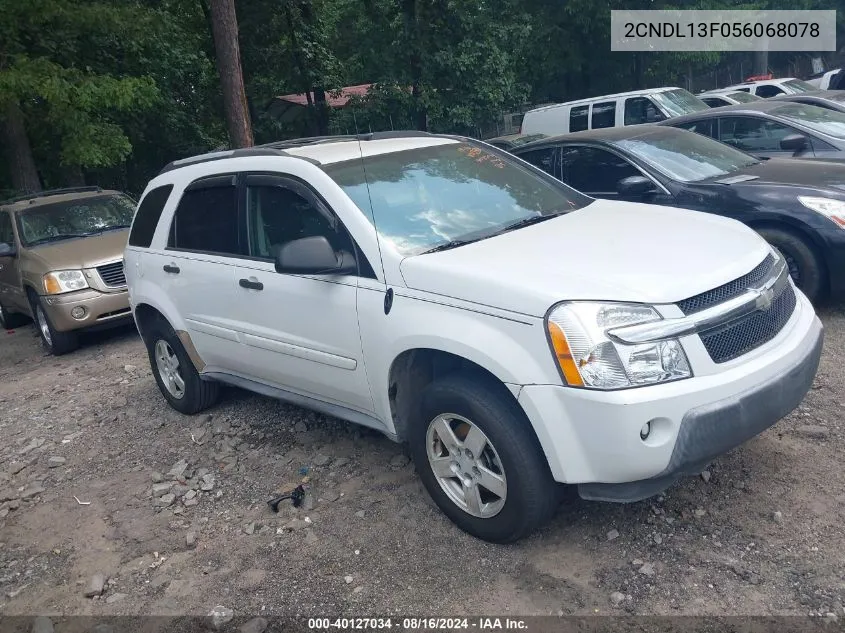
<point>615,251</point>
<point>83,252</point>
<point>827,175</point>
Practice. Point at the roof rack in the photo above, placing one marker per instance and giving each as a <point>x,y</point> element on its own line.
<point>53,192</point>
<point>276,148</point>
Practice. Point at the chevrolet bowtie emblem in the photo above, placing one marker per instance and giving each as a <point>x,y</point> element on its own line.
<point>764,298</point>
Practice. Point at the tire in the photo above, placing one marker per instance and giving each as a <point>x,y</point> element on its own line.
<point>510,447</point>
<point>10,320</point>
<point>55,342</point>
<point>805,264</point>
<point>176,377</point>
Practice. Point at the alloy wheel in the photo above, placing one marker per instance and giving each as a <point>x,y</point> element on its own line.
<point>43,325</point>
<point>167,364</point>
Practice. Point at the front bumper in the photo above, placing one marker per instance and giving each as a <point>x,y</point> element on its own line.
<point>592,438</point>
<point>102,309</point>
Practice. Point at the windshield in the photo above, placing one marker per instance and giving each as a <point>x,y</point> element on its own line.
<point>818,119</point>
<point>679,101</point>
<point>75,218</point>
<point>429,196</point>
<point>743,97</point>
<point>796,85</point>
<point>686,156</point>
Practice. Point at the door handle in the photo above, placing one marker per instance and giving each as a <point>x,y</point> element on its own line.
<point>168,268</point>
<point>252,285</point>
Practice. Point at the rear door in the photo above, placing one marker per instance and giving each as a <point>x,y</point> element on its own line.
<point>11,291</point>
<point>301,331</point>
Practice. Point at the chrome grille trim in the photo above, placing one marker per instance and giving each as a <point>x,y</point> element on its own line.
<point>112,274</point>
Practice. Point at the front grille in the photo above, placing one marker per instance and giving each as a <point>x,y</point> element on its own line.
<point>730,290</point>
<point>112,274</point>
<point>752,331</point>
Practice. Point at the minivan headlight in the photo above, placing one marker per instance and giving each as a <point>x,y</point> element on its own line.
<point>60,281</point>
<point>588,358</point>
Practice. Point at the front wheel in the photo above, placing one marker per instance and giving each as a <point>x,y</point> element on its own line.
<point>805,265</point>
<point>55,342</point>
<point>480,460</point>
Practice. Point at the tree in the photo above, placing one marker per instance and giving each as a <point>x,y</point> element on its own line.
<point>224,26</point>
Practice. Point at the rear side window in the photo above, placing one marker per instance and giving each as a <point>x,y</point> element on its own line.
<point>148,215</point>
<point>206,219</point>
<point>768,90</point>
<point>707,127</point>
<point>578,118</point>
<point>714,102</point>
<point>604,115</point>
<point>6,236</point>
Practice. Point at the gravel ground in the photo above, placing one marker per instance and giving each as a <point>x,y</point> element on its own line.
<point>86,437</point>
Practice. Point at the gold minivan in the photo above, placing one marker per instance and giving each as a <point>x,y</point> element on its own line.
<point>61,263</point>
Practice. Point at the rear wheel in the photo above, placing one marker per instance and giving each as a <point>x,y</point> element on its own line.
<point>175,374</point>
<point>54,341</point>
<point>479,459</point>
<point>805,265</point>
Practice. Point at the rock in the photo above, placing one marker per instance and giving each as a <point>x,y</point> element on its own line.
<point>55,462</point>
<point>700,512</point>
<point>198,435</point>
<point>647,569</point>
<point>191,502</point>
<point>358,589</point>
<point>191,538</point>
<point>35,443</point>
<point>207,482</point>
<point>220,616</point>
<point>16,592</point>
<point>348,579</point>
<point>360,514</point>
<point>32,490</point>
<point>42,624</point>
<point>300,427</point>
<point>190,495</point>
<point>162,488</point>
<point>613,534</point>
<point>322,460</point>
<point>813,431</point>
<point>8,495</point>
<point>4,511</point>
<point>95,586</point>
<point>16,467</point>
<point>249,528</point>
<point>777,517</point>
<point>399,461</point>
<point>165,500</point>
<point>295,524</point>
<point>115,597</point>
<point>310,537</point>
<point>617,598</point>
<point>157,477</point>
<point>705,475</point>
<point>178,469</point>
<point>340,462</point>
<point>256,625</point>
<point>330,495</point>
<point>658,539</point>
<point>129,368</point>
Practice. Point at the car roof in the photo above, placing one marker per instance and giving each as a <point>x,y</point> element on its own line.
<point>761,82</point>
<point>632,93</point>
<point>719,92</point>
<point>830,95</point>
<point>753,107</point>
<point>607,135</point>
<point>37,200</point>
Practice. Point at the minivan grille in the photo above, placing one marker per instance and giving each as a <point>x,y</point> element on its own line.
<point>728,291</point>
<point>112,274</point>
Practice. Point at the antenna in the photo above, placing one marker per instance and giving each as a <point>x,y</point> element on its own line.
<point>389,296</point>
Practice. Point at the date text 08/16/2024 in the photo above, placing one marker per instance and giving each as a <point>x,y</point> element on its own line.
<point>417,624</point>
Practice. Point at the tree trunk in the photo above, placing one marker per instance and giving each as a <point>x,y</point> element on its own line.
<point>322,110</point>
<point>412,29</point>
<point>72,176</point>
<point>18,151</point>
<point>224,26</point>
<point>761,63</point>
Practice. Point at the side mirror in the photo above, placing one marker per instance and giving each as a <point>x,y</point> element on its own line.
<point>312,256</point>
<point>635,186</point>
<point>7,250</point>
<point>793,143</point>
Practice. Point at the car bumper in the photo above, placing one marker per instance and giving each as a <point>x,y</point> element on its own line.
<point>835,259</point>
<point>101,309</point>
<point>592,438</point>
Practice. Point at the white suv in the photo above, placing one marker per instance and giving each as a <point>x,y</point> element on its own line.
<point>514,332</point>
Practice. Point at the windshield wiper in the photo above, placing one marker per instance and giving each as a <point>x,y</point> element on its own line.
<point>109,228</point>
<point>55,238</point>
<point>533,219</point>
<point>447,245</point>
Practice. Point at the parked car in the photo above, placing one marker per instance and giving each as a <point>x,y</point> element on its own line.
<point>797,206</point>
<point>718,98</point>
<point>766,88</point>
<point>514,332</point>
<point>823,81</point>
<point>627,108</point>
<point>828,99</point>
<point>61,263</point>
<point>511,141</point>
<point>772,128</point>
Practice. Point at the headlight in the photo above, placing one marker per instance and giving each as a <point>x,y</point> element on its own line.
<point>834,209</point>
<point>60,281</point>
<point>588,358</point>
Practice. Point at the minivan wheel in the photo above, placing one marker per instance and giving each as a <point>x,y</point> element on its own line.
<point>805,265</point>
<point>175,374</point>
<point>55,342</point>
<point>480,460</point>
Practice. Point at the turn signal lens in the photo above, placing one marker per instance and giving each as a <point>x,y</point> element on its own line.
<point>51,285</point>
<point>564,356</point>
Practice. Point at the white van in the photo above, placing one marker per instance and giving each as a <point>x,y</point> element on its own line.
<point>626,108</point>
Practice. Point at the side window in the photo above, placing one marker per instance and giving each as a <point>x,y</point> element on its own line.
<point>744,89</point>
<point>707,127</point>
<point>542,158</point>
<point>6,234</point>
<point>277,215</point>
<point>641,110</point>
<point>768,90</point>
<point>206,219</point>
<point>714,102</point>
<point>753,135</point>
<point>578,118</point>
<point>604,115</point>
<point>148,215</point>
<point>595,171</point>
